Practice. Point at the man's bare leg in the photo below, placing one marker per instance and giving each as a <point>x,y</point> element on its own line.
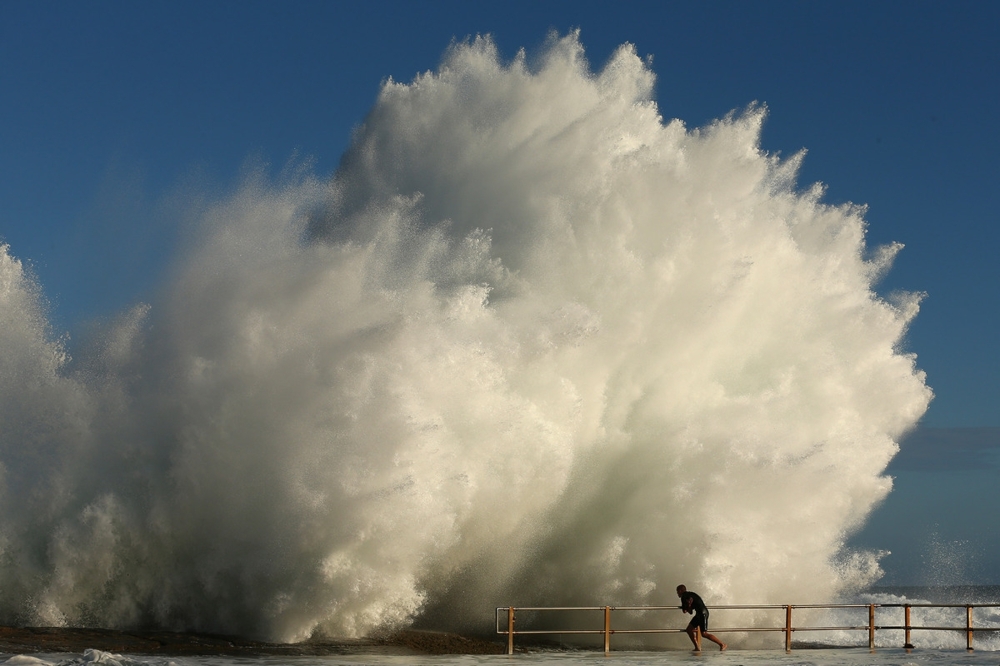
<point>722,646</point>
<point>694,633</point>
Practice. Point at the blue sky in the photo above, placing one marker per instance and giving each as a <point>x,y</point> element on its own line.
<point>110,109</point>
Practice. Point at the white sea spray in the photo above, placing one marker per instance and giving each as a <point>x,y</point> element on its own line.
<point>531,345</point>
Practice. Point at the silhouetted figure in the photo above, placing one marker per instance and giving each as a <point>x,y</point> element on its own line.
<point>698,626</point>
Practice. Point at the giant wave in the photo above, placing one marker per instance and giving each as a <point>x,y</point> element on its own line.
<point>531,344</point>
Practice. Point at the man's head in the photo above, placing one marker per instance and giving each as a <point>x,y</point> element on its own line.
<point>681,590</point>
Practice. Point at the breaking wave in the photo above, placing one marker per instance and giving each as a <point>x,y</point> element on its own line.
<point>531,344</point>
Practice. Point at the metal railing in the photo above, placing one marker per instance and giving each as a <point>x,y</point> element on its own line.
<point>788,628</point>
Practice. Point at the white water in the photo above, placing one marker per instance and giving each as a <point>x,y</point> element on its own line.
<point>531,345</point>
<point>759,658</point>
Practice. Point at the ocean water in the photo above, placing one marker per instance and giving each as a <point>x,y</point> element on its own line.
<point>817,657</point>
<point>532,344</point>
<point>845,648</point>
<point>834,648</point>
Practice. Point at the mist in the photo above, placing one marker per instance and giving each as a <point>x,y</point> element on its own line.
<point>532,344</point>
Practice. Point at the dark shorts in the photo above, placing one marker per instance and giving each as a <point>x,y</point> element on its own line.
<point>699,620</point>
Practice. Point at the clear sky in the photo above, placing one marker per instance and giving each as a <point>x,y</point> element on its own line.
<point>109,109</point>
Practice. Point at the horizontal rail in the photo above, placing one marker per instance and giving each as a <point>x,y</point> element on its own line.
<point>871,627</point>
<point>914,628</point>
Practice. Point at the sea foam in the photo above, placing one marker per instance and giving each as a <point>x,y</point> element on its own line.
<point>532,344</point>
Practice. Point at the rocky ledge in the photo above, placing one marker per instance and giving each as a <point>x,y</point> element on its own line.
<point>35,640</point>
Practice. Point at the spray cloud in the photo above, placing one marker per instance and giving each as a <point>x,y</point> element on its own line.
<point>530,345</point>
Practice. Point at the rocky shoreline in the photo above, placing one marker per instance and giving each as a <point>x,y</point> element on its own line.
<point>37,640</point>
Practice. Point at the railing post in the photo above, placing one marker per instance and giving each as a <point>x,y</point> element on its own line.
<point>871,626</point>
<point>607,629</point>
<point>906,626</point>
<point>510,630</point>
<point>788,628</point>
<point>968,628</point>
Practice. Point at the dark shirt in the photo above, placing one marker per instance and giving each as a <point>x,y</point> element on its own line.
<point>692,602</point>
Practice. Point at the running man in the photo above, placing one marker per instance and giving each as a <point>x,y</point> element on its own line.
<point>698,626</point>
